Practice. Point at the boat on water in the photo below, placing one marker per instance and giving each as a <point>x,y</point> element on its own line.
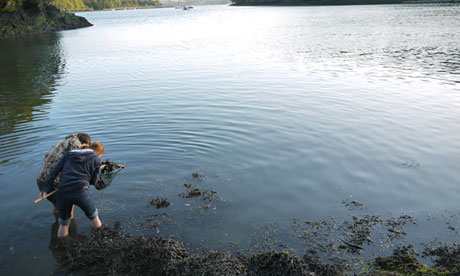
<point>185,8</point>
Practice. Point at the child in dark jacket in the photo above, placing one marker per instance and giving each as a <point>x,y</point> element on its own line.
<point>79,169</point>
<point>57,152</point>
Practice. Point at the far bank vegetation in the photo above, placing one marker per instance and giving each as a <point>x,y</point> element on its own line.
<point>10,6</point>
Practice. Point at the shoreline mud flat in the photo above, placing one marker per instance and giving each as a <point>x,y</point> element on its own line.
<point>356,243</point>
<point>109,251</point>
<point>330,248</point>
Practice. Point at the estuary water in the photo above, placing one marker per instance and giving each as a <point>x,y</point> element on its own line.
<point>284,112</point>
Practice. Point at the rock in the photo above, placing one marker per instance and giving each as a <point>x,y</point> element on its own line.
<point>49,19</point>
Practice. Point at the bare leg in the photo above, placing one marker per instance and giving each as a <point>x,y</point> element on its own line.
<point>96,223</point>
<point>71,212</point>
<point>63,231</point>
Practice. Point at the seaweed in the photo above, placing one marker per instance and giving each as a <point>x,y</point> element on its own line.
<point>109,251</point>
<point>160,202</point>
<point>194,191</point>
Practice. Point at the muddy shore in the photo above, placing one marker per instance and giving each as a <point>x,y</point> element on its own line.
<point>356,243</point>
<point>110,251</point>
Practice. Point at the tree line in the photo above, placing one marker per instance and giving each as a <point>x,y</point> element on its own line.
<point>77,5</point>
<point>73,5</point>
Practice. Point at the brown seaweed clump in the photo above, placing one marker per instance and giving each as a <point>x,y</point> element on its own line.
<point>446,257</point>
<point>400,261</point>
<point>107,251</point>
<point>321,269</point>
<point>211,263</point>
<point>286,263</point>
<point>193,191</point>
<point>198,176</point>
<point>110,252</point>
<point>152,256</point>
<point>277,263</point>
<point>403,262</point>
<point>160,202</point>
<point>359,232</point>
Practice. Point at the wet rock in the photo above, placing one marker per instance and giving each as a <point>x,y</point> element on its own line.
<point>46,19</point>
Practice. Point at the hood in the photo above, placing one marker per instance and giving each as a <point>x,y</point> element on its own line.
<point>81,156</point>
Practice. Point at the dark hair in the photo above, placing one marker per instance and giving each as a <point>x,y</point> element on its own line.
<point>84,138</point>
<point>97,147</point>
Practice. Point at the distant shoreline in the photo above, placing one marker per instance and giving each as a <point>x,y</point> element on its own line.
<point>119,9</point>
<point>338,2</point>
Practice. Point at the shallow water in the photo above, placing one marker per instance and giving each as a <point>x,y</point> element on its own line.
<point>285,111</point>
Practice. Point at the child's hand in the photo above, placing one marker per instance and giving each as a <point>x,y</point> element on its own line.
<point>42,194</point>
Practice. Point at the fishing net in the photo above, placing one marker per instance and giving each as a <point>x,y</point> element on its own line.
<point>107,173</point>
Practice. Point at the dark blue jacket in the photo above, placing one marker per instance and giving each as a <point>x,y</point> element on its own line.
<point>80,168</point>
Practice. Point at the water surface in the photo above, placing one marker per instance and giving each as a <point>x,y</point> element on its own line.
<point>285,111</point>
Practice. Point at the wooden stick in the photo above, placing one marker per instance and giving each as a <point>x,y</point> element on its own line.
<point>40,199</point>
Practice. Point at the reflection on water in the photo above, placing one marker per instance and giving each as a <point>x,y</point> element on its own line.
<point>29,69</point>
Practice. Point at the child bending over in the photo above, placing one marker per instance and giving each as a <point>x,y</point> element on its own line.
<point>79,169</point>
